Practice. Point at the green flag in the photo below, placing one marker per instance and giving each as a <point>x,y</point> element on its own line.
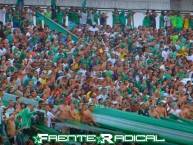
<point>84,4</point>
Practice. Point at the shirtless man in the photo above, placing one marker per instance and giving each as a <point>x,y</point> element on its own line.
<point>73,115</point>
<point>88,117</point>
<point>11,128</point>
<point>185,112</point>
<point>152,112</point>
<point>65,112</point>
<point>161,110</point>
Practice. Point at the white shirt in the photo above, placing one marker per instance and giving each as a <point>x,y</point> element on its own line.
<point>190,58</point>
<point>82,71</point>
<point>175,112</point>
<point>83,19</point>
<point>93,29</point>
<point>2,51</point>
<point>112,60</point>
<point>2,15</point>
<point>102,96</point>
<point>185,80</point>
<point>50,116</point>
<point>28,34</point>
<point>167,21</point>
<point>10,110</point>
<point>31,13</point>
<point>165,55</point>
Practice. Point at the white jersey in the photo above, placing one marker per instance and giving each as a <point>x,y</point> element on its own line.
<point>167,22</point>
<point>83,19</point>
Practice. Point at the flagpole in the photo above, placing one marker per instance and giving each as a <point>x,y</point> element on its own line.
<point>115,3</point>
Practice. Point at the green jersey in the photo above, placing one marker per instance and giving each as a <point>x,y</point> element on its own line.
<point>179,22</point>
<point>48,15</point>
<point>59,17</point>
<point>122,18</point>
<point>173,20</point>
<point>26,118</point>
<point>175,39</point>
<point>191,23</point>
<point>71,16</point>
<point>16,16</point>
<point>96,17</point>
<point>116,19</point>
<point>146,22</point>
<point>77,18</point>
<point>161,22</point>
<point>89,19</point>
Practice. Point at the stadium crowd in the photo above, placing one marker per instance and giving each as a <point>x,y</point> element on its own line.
<point>144,70</point>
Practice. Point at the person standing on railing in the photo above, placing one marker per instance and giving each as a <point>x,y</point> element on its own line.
<point>152,19</point>
<point>146,22</point>
<point>161,20</point>
<point>48,13</point>
<point>179,22</point>
<point>186,21</point>
<point>96,16</point>
<point>116,17</point>
<point>167,22</point>
<point>129,18</point>
<point>32,13</point>
<point>2,14</point>
<point>83,19</point>
<point>9,14</point>
<point>122,19</point>
<point>173,19</point>
<point>78,16</point>
<point>60,14</point>
<point>89,17</point>
<point>191,21</point>
<point>103,19</point>
<point>71,16</point>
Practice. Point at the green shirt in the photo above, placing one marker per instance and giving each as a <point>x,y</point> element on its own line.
<point>48,15</point>
<point>89,20</point>
<point>77,18</point>
<point>96,17</point>
<point>26,118</point>
<point>145,97</point>
<point>122,18</point>
<point>173,20</point>
<point>53,3</point>
<point>167,76</point>
<point>26,81</point>
<point>161,22</point>
<point>71,16</point>
<point>16,16</point>
<point>146,22</point>
<point>179,22</point>
<point>191,23</point>
<point>180,75</point>
<point>55,49</point>
<point>116,19</point>
<point>175,39</point>
<point>108,73</point>
<point>85,61</point>
<point>59,17</point>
